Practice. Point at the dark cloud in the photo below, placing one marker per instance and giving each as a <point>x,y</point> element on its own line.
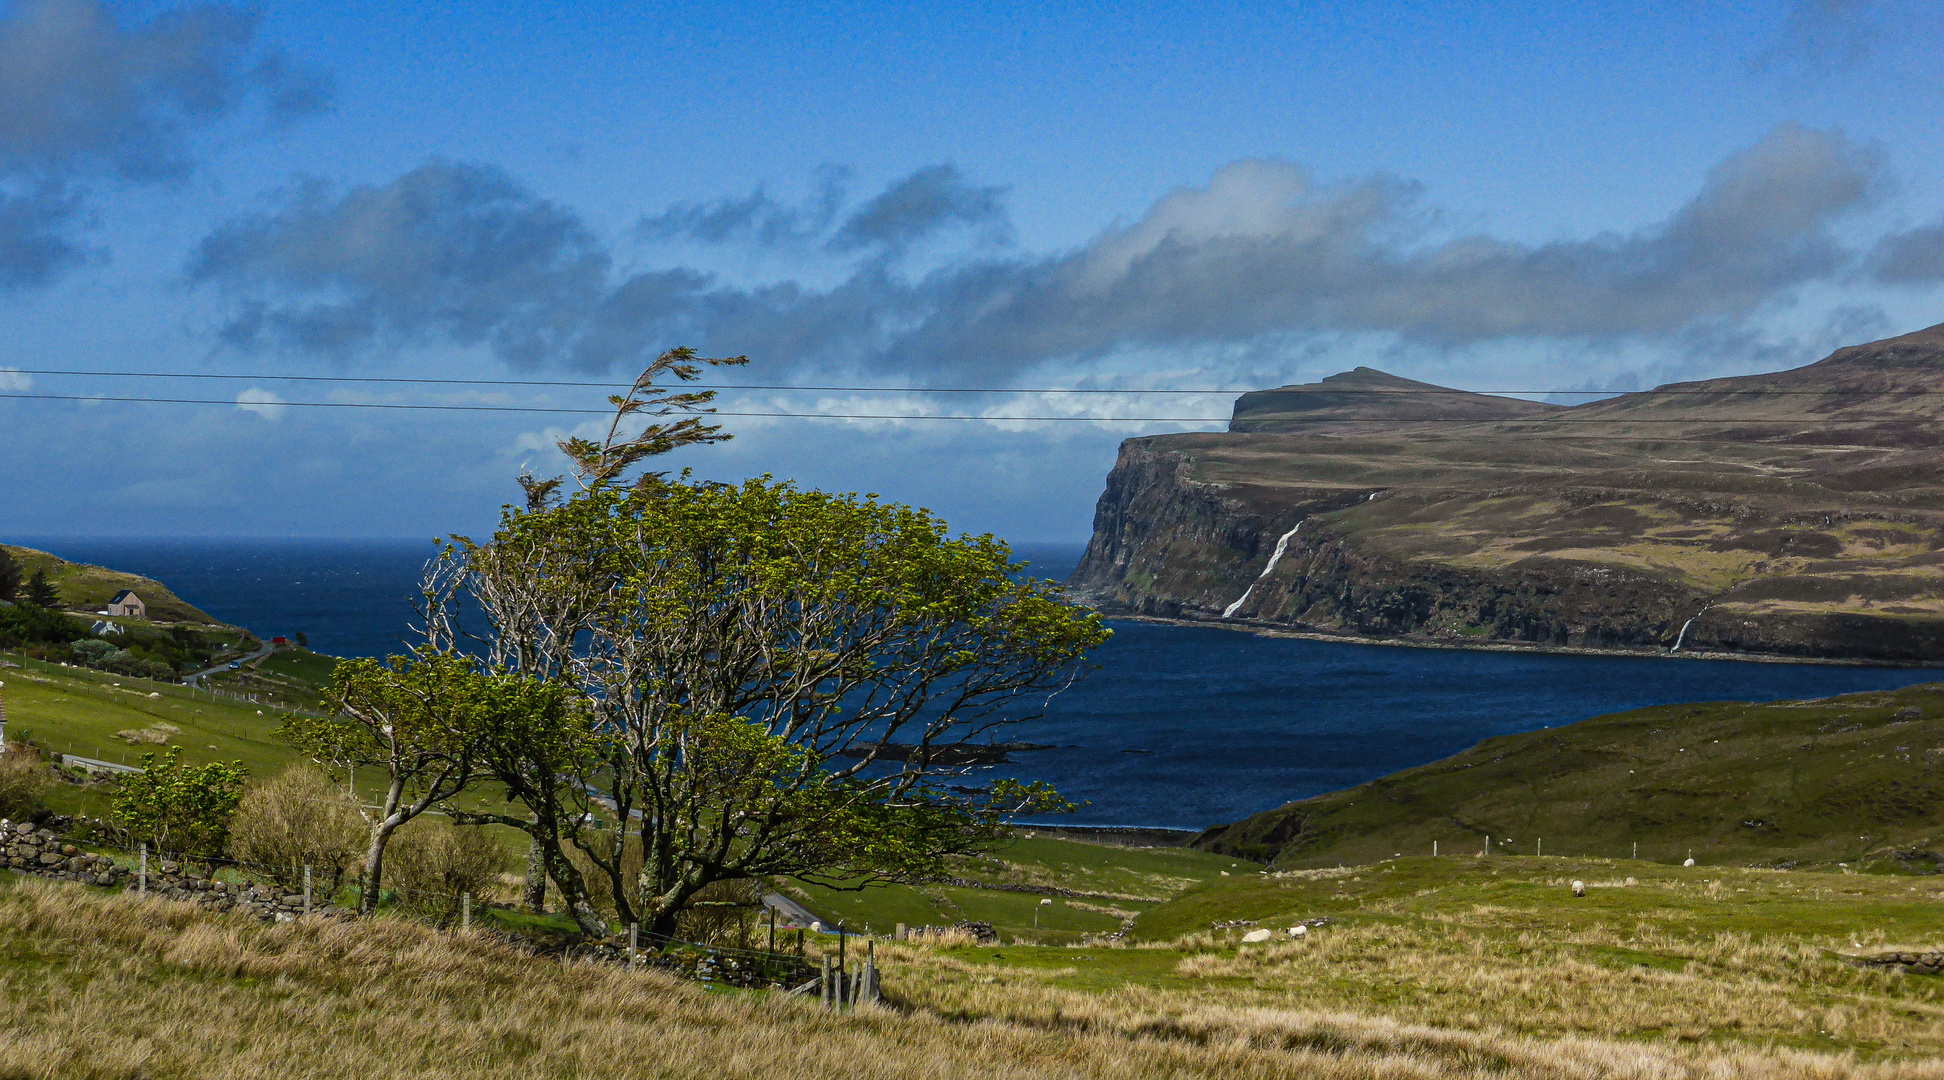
<point>34,246</point>
<point>1822,37</point>
<point>756,218</point>
<point>84,98</point>
<point>1915,257</point>
<point>932,199</point>
<point>1262,250</point>
<point>447,250</point>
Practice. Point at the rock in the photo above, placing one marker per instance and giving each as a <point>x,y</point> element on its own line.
<point>50,859</point>
<point>1254,936</point>
<point>1908,712</point>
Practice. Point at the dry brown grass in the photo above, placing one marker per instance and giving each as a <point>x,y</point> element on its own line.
<point>100,988</point>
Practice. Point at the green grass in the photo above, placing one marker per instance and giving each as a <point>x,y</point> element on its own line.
<point>88,588</point>
<point>1129,880</point>
<point>1817,783</point>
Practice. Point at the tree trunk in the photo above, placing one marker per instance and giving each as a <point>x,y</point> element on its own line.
<point>536,877</point>
<point>374,860</point>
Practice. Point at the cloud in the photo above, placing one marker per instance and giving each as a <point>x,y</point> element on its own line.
<point>932,199</point>
<point>1822,37</point>
<point>463,253</point>
<point>755,218</point>
<point>14,380</point>
<point>1914,257</point>
<point>450,251</point>
<point>262,403</point>
<point>84,98</point>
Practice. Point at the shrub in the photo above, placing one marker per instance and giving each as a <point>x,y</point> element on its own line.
<point>23,780</point>
<point>723,913</point>
<point>432,862</point>
<point>182,811</point>
<point>299,818</point>
<point>93,651</point>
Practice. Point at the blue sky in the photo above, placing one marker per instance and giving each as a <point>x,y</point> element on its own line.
<point>1494,196</point>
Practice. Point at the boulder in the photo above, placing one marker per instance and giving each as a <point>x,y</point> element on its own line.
<point>1254,936</point>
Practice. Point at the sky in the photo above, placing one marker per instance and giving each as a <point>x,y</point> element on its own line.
<point>957,208</point>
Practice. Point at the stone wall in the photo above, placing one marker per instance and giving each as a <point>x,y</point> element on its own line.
<point>40,852</point>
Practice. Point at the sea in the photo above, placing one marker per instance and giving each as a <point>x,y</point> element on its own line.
<point>1179,727</point>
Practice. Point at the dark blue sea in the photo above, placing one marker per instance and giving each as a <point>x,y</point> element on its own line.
<point>1181,727</point>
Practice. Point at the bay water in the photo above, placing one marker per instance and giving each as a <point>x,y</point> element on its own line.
<point>1180,727</point>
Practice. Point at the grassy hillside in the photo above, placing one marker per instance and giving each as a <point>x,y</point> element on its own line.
<point>1850,779</point>
<point>1428,970</point>
<point>84,587</point>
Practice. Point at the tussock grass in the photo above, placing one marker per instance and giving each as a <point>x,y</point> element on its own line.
<point>114,987</point>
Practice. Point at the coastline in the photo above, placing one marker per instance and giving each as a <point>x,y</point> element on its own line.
<point>1270,630</point>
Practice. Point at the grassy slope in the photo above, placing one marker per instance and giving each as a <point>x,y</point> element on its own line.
<point>84,587</point>
<point>1431,969</point>
<point>1727,781</point>
<point>1120,883</point>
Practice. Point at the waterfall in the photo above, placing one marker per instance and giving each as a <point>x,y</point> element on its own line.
<point>1275,557</point>
<point>1682,636</point>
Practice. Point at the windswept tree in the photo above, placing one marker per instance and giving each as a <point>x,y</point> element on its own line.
<point>769,678</point>
<point>418,720</point>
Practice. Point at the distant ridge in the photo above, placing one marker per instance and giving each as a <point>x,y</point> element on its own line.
<point>1368,394</point>
<point>1796,513</point>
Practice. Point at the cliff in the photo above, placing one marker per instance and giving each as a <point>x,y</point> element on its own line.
<point>1799,513</point>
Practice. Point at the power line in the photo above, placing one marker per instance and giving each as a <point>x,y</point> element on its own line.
<point>1424,391</point>
<point>1553,419</point>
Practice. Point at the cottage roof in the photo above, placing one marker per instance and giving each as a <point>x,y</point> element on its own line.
<point>125,594</point>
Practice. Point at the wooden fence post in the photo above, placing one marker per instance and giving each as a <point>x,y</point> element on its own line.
<point>141,889</point>
<point>465,912</point>
<point>307,890</point>
<point>824,983</point>
<point>634,938</point>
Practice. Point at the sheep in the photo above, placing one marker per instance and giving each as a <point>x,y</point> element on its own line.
<point>1298,931</point>
<point>1579,888</point>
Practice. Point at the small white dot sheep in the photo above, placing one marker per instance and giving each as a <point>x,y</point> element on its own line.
<point>1298,931</point>
<point>1579,888</point>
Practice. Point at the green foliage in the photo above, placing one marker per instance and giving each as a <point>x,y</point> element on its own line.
<point>40,592</point>
<point>181,811</point>
<point>9,575</point>
<point>598,465</point>
<point>748,654</point>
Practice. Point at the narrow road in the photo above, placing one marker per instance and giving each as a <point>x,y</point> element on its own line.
<point>789,909</point>
<point>224,666</point>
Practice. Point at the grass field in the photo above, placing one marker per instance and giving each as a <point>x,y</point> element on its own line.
<point>1849,779</point>
<point>87,587</point>
<point>1457,967</point>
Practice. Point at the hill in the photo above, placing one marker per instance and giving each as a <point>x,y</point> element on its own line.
<point>1799,513</point>
<point>1850,780</point>
<point>88,588</point>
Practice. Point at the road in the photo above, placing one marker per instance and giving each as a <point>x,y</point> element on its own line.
<point>789,909</point>
<point>224,666</point>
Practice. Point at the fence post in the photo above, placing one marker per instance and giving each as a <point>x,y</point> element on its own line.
<point>824,983</point>
<point>900,934</point>
<point>840,965</point>
<point>141,889</point>
<point>634,937</point>
<point>869,990</point>
<point>307,890</point>
<point>465,912</point>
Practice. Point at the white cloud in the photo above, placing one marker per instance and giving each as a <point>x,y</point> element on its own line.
<point>262,403</point>
<point>13,380</point>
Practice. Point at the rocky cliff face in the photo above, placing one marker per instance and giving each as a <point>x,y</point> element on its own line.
<point>1637,524</point>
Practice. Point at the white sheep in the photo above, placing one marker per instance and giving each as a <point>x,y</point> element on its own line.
<point>1579,888</point>
<point>1298,931</point>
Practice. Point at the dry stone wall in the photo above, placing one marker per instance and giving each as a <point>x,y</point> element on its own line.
<point>40,852</point>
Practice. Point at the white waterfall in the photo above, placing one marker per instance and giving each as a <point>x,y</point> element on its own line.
<point>1682,636</point>
<point>1275,557</point>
